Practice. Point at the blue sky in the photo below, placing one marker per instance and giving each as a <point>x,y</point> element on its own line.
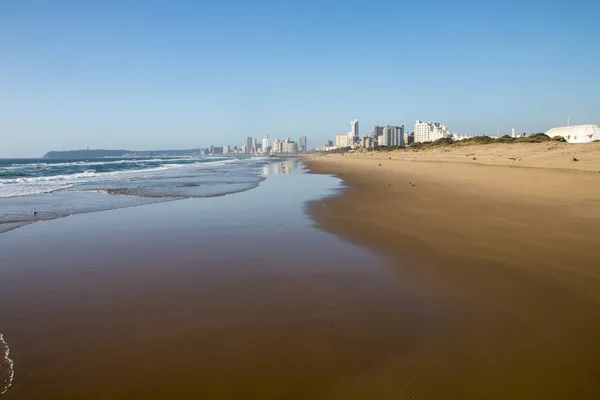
<point>183,74</point>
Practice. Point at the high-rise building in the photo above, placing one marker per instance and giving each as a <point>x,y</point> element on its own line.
<point>386,136</point>
<point>249,145</point>
<point>341,140</point>
<point>302,144</point>
<point>377,131</point>
<point>284,144</point>
<point>398,135</point>
<point>354,128</point>
<point>276,147</point>
<point>265,144</point>
<point>391,136</point>
<point>367,142</point>
<point>428,131</point>
<point>291,147</point>
<point>225,149</point>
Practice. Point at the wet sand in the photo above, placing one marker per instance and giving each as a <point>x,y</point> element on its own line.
<point>505,260</point>
<point>237,297</point>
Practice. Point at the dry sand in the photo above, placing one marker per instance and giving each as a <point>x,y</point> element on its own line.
<point>503,254</point>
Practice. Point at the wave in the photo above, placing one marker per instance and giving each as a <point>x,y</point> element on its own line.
<point>7,367</point>
<point>80,175</point>
<point>112,162</point>
<point>30,185</point>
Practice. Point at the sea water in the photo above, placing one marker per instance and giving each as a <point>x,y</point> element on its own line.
<point>40,189</point>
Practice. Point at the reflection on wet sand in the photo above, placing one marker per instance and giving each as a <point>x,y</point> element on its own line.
<point>230,297</point>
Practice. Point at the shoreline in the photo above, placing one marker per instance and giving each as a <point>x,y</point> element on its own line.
<point>505,256</point>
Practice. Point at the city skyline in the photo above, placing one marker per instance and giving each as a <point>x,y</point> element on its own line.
<point>264,146</point>
<point>183,75</point>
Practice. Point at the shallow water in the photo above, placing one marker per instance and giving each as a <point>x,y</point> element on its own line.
<point>226,297</point>
<point>36,190</point>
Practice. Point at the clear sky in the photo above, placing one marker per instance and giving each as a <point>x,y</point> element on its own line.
<point>186,74</point>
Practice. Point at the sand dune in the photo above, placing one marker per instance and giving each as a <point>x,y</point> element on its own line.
<point>554,155</point>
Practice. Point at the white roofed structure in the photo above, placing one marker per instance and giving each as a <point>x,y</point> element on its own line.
<point>577,133</point>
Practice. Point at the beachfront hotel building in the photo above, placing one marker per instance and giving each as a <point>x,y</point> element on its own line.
<point>302,144</point>
<point>265,144</point>
<point>287,146</point>
<point>276,146</point>
<point>429,131</point>
<point>249,145</point>
<point>342,140</point>
<point>391,136</point>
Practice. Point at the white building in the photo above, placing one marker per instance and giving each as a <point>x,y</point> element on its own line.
<point>276,146</point>
<point>226,149</point>
<point>460,136</point>
<point>291,147</point>
<point>354,130</point>
<point>430,131</point>
<point>265,144</point>
<point>342,140</point>
<point>284,145</point>
<point>327,147</point>
<point>354,127</point>
<point>577,133</point>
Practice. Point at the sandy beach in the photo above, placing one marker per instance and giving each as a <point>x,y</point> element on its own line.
<point>501,243</point>
<point>417,280</point>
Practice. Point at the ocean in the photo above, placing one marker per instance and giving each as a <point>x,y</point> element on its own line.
<point>39,189</point>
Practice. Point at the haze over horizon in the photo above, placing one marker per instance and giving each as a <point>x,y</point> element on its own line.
<point>173,75</point>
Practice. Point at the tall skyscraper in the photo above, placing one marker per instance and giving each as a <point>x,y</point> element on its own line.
<point>249,144</point>
<point>354,128</point>
<point>302,144</point>
<point>265,144</point>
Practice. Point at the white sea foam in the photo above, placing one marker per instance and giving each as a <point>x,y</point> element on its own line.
<point>6,362</point>
<point>45,184</point>
<point>24,186</point>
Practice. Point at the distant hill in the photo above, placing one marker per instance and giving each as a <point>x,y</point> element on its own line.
<point>85,154</point>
